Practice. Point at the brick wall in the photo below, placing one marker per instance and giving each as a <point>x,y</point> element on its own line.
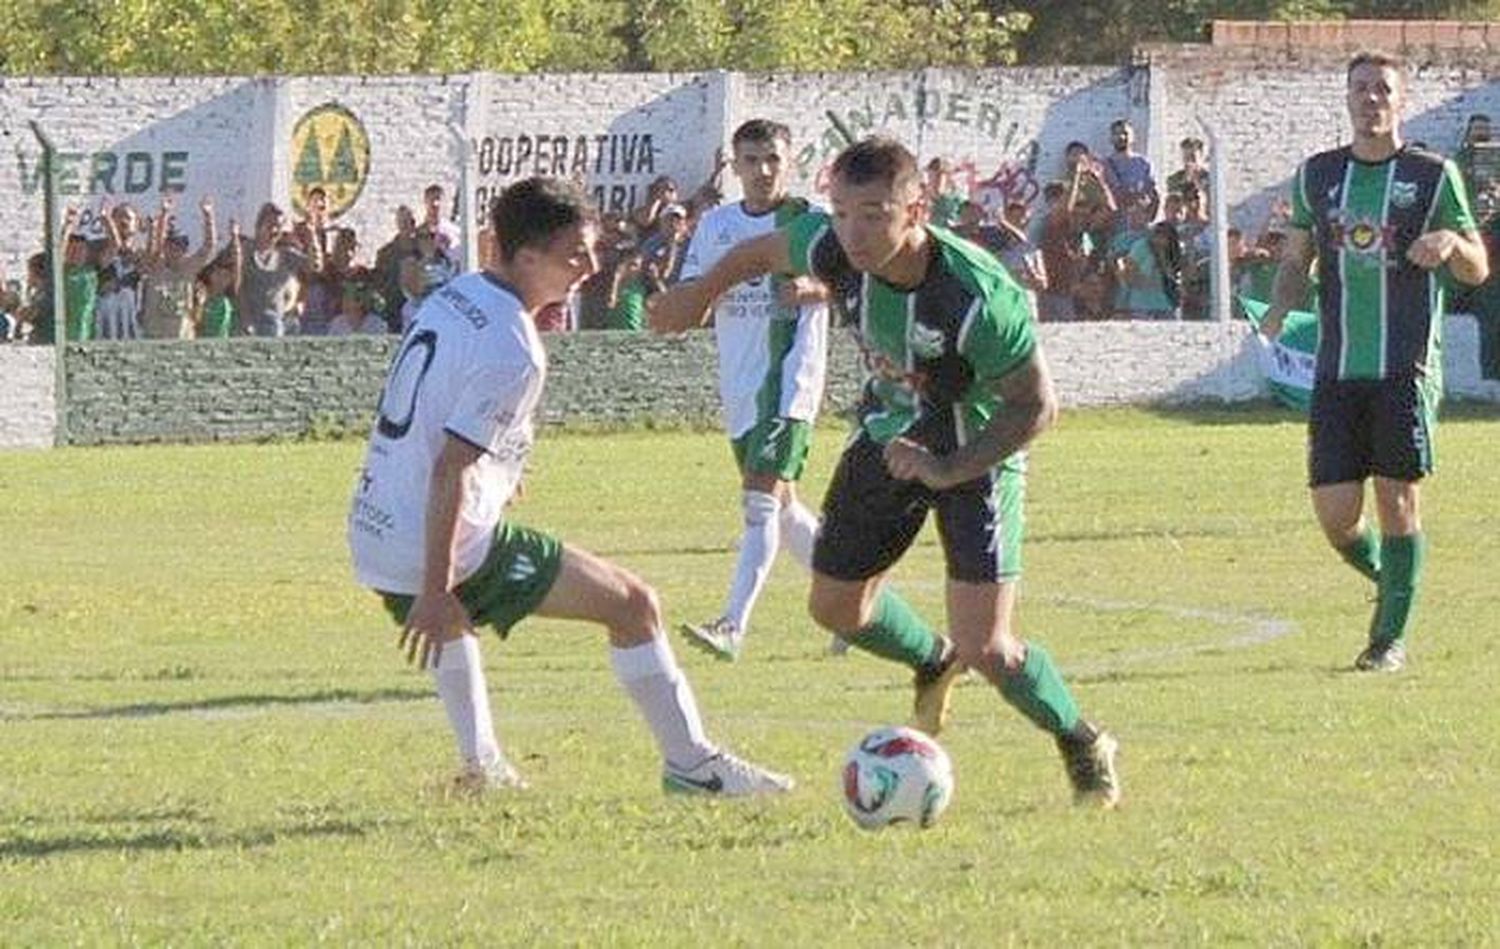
<point>247,389</point>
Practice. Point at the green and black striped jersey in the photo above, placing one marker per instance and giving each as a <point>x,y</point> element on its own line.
<point>935,348</point>
<point>1380,314</point>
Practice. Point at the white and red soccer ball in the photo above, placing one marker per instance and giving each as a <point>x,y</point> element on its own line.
<point>896,775</point>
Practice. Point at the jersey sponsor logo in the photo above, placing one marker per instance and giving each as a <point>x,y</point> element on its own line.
<point>521,569</point>
<point>926,342</point>
<point>465,307</point>
<point>372,519</point>
<point>1403,193</point>
<point>1364,236</point>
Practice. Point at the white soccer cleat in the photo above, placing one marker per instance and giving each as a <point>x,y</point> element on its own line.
<point>476,780</point>
<point>724,775</point>
<point>721,638</point>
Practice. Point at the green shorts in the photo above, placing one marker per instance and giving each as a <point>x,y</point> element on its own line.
<point>775,446</point>
<point>511,583</point>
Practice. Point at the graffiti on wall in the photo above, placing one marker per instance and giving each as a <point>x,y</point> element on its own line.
<point>331,150</point>
<point>107,172</point>
<point>616,167</point>
<point>925,105</point>
<point>1005,173</point>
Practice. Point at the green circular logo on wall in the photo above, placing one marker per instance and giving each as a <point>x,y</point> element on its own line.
<point>331,150</point>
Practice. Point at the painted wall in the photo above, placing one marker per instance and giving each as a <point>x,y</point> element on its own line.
<point>28,396</point>
<point>375,142</point>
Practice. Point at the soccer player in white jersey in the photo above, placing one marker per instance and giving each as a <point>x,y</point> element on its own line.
<point>773,354</point>
<point>447,453</point>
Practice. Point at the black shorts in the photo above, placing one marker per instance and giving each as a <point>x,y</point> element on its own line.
<point>1362,427</point>
<point>870,519</point>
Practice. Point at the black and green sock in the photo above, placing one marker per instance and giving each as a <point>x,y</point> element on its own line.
<point>1363,553</point>
<point>1400,575</point>
<point>1038,691</point>
<point>897,633</point>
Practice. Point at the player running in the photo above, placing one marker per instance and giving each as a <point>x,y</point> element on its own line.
<point>1385,221</point>
<point>956,389</point>
<point>773,352</point>
<point>446,456</point>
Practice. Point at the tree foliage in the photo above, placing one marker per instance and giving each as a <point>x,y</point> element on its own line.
<point>151,37</point>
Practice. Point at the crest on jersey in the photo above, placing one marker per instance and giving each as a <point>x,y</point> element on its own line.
<point>925,341</point>
<point>1403,193</point>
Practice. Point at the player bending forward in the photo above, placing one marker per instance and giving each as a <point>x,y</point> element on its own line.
<point>956,389</point>
<point>446,455</point>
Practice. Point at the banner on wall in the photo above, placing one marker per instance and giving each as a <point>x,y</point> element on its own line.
<point>1291,360</point>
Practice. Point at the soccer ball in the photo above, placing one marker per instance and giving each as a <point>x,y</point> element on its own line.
<point>896,775</point>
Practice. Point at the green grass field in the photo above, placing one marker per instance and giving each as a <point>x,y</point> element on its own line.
<point>208,735</point>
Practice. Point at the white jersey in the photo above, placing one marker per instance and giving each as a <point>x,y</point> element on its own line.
<point>772,361</point>
<point>471,366</point>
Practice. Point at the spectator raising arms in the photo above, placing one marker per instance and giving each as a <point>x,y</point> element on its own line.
<point>269,274</point>
<point>117,314</point>
<point>171,275</point>
<point>80,283</point>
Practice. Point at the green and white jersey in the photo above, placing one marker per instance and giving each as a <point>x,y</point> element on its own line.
<point>937,349</point>
<point>1380,314</point>
<point>773,360</point>
<point>472,367</point>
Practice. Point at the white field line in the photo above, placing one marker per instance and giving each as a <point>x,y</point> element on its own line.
<point>1237,631</point>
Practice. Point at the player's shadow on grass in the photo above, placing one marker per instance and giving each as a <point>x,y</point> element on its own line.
<point>230,703</point>
<point>180,838</point>
<point>1267,412</point>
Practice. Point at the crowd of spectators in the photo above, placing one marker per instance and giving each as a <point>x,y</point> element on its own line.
<point>1104,241</point>
<point>138,277</point>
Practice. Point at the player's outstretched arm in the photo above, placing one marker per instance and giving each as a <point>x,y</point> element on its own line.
<point>686,305</point>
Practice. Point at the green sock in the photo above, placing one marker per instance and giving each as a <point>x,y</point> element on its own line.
<point>1363,553</point>
<point>897,633</point>
<point>1400,575</point>
<point>1038,692</point>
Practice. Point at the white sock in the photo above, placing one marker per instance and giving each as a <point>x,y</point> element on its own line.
<point>757,552</point>
<point>650,674</point>
<point>460,684</point>
<point>799,529</point>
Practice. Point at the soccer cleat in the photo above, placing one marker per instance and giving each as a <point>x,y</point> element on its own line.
<point>838,645</point>
<point>721,638</point>
<point>476,780</point>
<point>934,688</point>
<point>724,775</point>
<point>1091,768</point>
<point>1382,657</point>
